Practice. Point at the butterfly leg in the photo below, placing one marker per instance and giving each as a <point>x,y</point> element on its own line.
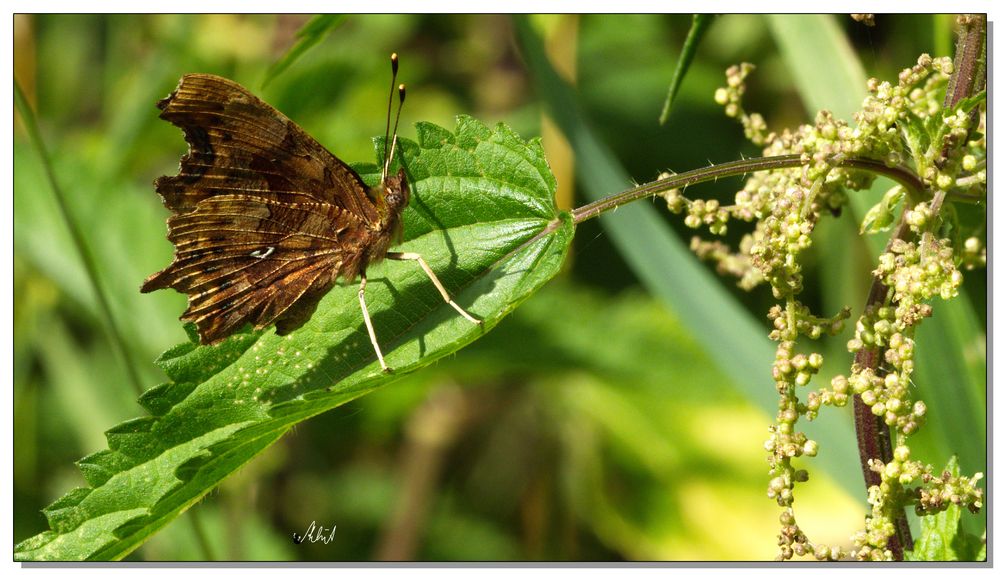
<point>368,322</point>
<point>434,280</point>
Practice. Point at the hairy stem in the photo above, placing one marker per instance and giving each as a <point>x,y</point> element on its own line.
<point>874,441</point>
<point>900,174</point>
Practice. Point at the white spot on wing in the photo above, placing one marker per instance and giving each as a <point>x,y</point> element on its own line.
<point>262,253</point>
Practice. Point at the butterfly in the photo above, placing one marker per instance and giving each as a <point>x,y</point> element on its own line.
<point>265,219</point>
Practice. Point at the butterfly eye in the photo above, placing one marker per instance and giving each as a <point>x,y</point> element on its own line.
<point>397,194</point>
<point>262,253</point>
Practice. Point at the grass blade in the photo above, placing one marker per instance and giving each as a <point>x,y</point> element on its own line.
<point>699,25</point>
<point>308,36</point>
<point>28,115</point>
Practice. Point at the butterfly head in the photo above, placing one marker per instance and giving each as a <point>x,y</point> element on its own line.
<point>391,198</point>
<point>397,192</point>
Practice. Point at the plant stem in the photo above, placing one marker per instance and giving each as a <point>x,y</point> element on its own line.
<point>970,60</point>
<point>900,174</point>
<point>874,440</point>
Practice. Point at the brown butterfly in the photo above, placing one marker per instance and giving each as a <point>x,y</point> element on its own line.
<point>265,219</point>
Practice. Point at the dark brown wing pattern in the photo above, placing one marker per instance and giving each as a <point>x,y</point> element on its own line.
<point>265,218</point>
<point>240,144</point>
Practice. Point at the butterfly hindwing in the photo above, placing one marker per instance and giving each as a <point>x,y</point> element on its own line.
<point>242,259</point>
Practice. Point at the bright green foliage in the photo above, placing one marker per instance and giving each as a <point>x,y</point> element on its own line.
<point>482,215</point>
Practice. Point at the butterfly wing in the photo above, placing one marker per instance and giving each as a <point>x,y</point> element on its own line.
<point>243,259</point>
<point>240,144</point>
<point>265,218</point>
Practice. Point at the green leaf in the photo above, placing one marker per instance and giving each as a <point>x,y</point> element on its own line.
<point>967,104</point>
<point>482,214</point>
<point>308,36</point>
<point>882,216</point>
<point>942,537</point>
<point>699,25</point>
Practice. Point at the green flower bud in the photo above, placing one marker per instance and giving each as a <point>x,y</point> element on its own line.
<point>892,470</point>
<point>810,448</point>
<point>901,453</point>
<point>721,96</point>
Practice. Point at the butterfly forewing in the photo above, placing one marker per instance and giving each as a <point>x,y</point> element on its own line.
<point>240,144</point>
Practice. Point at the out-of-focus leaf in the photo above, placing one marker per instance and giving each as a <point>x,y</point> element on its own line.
<point>699,25</point>
<point>738,343</point>
<point>308,36</point>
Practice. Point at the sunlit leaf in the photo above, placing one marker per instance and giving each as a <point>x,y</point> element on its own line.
<point>482,215</point>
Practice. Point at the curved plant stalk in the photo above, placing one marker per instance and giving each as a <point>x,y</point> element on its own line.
<point>900,174</point>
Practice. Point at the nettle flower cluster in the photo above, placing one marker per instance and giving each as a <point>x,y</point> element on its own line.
<point>903,130</point>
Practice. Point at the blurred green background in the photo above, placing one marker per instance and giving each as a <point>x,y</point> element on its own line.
<point>590,425</point>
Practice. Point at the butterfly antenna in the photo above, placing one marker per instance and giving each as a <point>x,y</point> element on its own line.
<point>399,112</point>
<point>388,117</point>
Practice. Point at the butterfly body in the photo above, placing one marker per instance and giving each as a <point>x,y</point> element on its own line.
<point>390,199</point>
<point>264,218</point>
